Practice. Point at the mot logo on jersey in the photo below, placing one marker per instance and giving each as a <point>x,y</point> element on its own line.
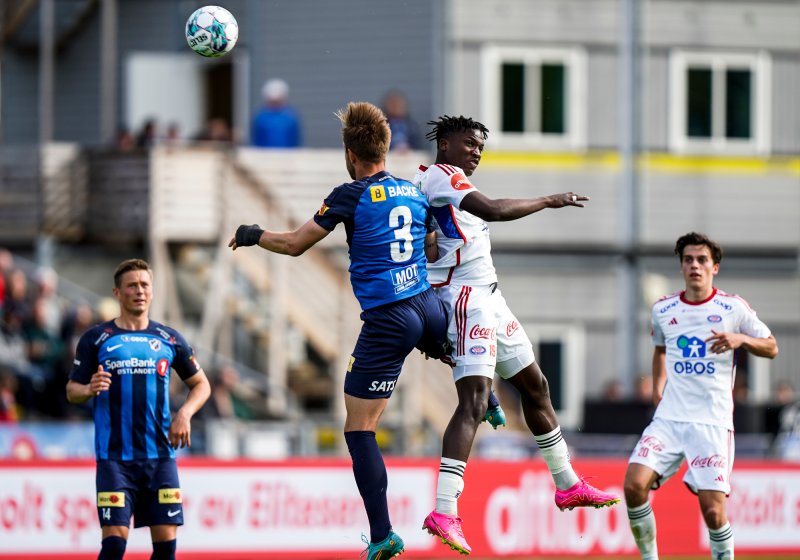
<point>693,349</point>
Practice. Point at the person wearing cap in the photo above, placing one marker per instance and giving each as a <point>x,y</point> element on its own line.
<point>276,124</point>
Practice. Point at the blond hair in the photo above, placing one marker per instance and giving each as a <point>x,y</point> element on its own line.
<point>365,131</point>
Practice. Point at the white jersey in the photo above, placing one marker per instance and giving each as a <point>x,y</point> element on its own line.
<point>464,249</point>
<point>699,383</point>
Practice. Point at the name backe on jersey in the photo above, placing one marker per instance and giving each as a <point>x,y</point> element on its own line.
<point>406,277</point>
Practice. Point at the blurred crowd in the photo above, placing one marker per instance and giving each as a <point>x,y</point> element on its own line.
<point>276,123</point>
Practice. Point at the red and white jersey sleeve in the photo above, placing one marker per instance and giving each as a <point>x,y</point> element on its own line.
<point>463,239</point>
<point>699,383</point>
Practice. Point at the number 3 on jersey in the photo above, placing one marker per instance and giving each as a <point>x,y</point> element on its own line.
<point>401,249</point>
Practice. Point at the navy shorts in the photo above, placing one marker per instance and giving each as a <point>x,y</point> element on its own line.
<point>389,333</point>
<point>148,489</point>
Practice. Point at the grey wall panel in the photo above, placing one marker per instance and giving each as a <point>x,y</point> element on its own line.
<point>603,100</point>
<point>539,20</point>
<point>785,107</point>
<point>737,209</point>
<point>723,23</point>
<point>331,53</point>
<point>654,127</point>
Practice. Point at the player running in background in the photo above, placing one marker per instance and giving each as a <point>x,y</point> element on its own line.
<point>486,336</point>
<point>386,223</point>
<point>695,333</point>
<point>125,365</point>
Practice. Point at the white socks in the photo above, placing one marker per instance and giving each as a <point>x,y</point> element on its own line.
<point>450,485</point>
<point>721,541</point>
<point>556,455</point>
<point>643,527</point>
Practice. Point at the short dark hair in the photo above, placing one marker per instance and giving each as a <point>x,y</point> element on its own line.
<point>694,238</point>
<point>445,125</point>
<point>365,131</point>
<point>127,266</point>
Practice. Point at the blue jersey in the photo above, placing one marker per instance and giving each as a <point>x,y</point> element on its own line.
<point>132,418</point>
<point>386,220</point>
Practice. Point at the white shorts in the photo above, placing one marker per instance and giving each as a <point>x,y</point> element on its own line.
<point>485,335</point>
<point>708,449</point>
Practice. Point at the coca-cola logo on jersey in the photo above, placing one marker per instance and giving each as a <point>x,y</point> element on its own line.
<point>511,328</point>
<point>712,462</point>
<point>483,332</point>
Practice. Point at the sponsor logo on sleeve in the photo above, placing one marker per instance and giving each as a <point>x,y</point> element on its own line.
<point>511,328</point>
<point>170,496</point>
<point>322,209</point>
<point>460,182</point>
<point>350,363</point>
<point>111,499</point>
<point>377,193</point>
<point>194,363</point>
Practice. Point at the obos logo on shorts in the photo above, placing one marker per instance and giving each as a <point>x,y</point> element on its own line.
<point>170,496</point>
<point>111,499</point>
<point>477,350</point>
<point>714,318</point>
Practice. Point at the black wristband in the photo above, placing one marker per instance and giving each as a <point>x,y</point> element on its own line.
<point>248,235</point>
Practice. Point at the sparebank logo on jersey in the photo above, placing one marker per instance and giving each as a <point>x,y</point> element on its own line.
<point>693,350</point>
<point>131,366</point>
<point>404,278</point>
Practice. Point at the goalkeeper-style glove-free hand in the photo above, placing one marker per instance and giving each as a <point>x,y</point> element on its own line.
<point>247,236</point>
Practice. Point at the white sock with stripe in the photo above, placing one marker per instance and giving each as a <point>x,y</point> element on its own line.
<point>556,455</point>
<point>643,527</point>
<point>450,485</point>
<point>721,541</point>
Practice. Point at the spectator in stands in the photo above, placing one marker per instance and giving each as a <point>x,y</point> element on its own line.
<point>124,142</point>
<point>16,301</point>
<point>6,264</point>
<point>229,397</point>
<point>45,352</point>
<point>173,136</point>
<point>612,391</point>
<point>8,402</point>
<point>643,389</point>
<point>14,358</point>
<point>783,393</point>
<point>148,135</point>
<point>46,287</point>
<point>405,133</point>
<point>216,130</point>
<point>276,125</point>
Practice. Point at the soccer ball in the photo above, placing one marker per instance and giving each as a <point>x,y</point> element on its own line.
<point>212,31</point>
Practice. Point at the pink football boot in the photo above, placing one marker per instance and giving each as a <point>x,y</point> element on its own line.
<point>584,495</point>
<point>448,529</point>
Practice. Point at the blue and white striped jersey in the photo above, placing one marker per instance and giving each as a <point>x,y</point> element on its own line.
<point>132,418</point>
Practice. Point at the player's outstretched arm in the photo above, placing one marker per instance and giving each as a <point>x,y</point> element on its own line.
<point>506,209</point>
<point>293,243</point>
<point>79,393</point>
<point>180,430</point>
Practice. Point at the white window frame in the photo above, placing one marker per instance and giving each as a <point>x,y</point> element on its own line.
<point>573,383</point>
<point>573,59</point>
<point>760,66</point>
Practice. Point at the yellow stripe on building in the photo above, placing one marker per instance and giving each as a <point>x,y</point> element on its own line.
<point>652,162</point>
